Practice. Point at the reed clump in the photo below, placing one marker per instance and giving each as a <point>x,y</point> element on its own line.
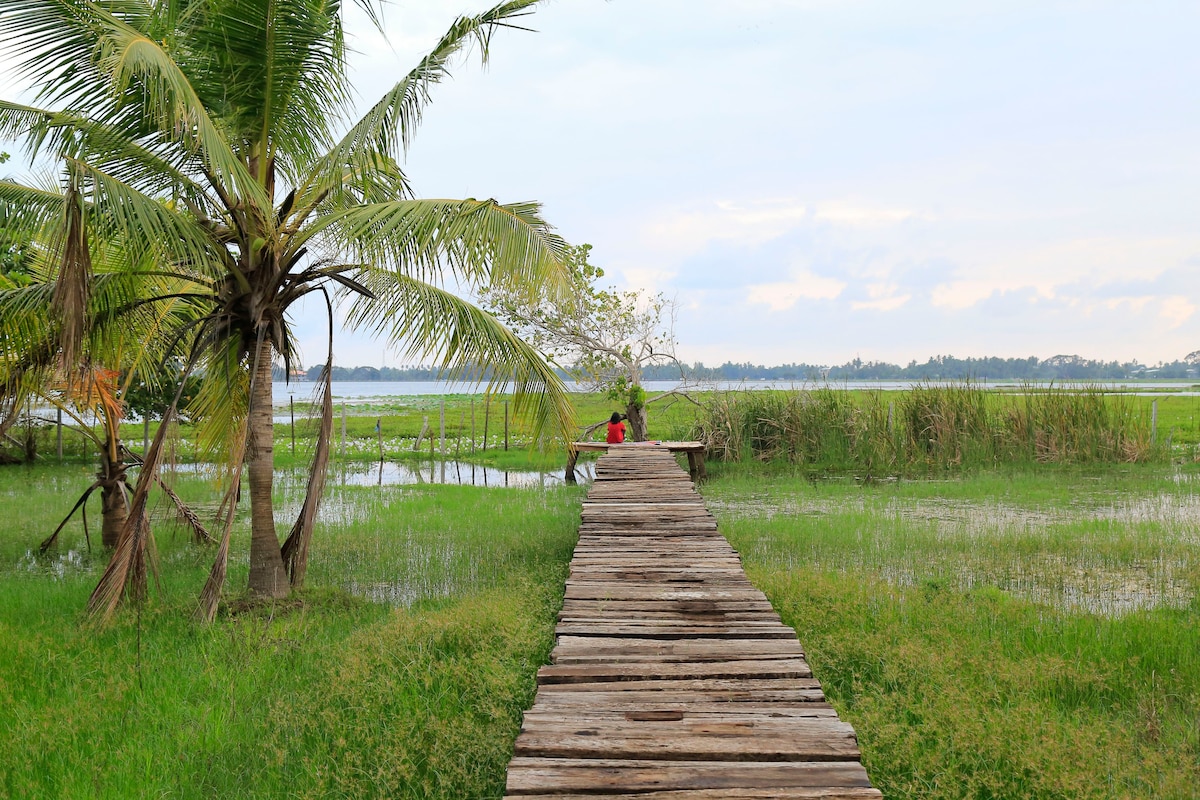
<point>928,427</point>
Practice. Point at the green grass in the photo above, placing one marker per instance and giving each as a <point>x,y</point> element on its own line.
<point>325,695</point>
<point>1029,631</point>
<point>1026,633</point>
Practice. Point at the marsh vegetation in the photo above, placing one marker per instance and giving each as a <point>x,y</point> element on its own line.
<point>1007,630</point>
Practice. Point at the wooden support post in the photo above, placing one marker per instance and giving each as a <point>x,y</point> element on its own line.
<point>472,432</point>
<point>379,435</point>
<point>506,426</point>
<point>421,435</point>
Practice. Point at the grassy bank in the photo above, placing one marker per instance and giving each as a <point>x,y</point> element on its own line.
<point>1031,633</point>
<point>415,694</point>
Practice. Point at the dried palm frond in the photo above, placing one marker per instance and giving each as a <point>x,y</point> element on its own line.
<point>72,288</point>
<point>210,595</point>
<point>199,532</point>
<point>295,547</point>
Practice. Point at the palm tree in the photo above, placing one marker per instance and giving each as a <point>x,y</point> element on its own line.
<point>210,135</point>
<point>130,312</point>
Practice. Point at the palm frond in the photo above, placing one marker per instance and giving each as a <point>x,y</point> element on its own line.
<point>144,163</point>
<point>480,241</point>
<point>432,322</point>
<point>145,225</point>
<point>382,136</point>
<point>27,211</point>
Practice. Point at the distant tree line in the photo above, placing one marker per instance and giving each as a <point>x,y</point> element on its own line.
<point>1056,368</point>
<point>937,368</point>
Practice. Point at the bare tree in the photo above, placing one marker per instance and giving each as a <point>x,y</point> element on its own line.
<point>603,337</point>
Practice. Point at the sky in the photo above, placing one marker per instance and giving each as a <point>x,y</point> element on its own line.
<point>819,180</point>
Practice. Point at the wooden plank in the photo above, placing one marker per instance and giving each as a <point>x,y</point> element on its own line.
<point>694,740</point>
<point>582,649</point>
<point>813,793</point>
<point>688,670</point>
<point>664,631</point>
<point>650,695</point>
<point>740,687</point>
<point>678,711</point>
<point>527,775</point>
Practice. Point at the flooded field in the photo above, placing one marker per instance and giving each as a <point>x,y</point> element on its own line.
<point>1102,551</point>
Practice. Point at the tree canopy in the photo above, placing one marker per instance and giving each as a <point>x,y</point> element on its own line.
<point>214,143</point>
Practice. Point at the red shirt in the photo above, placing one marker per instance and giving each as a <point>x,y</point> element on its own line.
<point>616,432</point>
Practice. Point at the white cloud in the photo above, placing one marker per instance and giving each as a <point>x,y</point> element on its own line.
<point>842,213</point>
<point>645,279</point>
<point>882,304</point>
<point>1059,270</point>
<point>689,232</point>
<point>1177,310</point>
<point>805,286</point>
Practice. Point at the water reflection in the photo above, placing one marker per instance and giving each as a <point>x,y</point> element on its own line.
<point>454,473</point>
<point>403,473</point>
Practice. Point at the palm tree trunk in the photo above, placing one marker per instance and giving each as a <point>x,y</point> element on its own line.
<point>113,514</point>
<point>268,578</point>
<point>113,505</point>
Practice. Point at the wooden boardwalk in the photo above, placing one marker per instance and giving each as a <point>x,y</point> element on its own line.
<point>672,677</point>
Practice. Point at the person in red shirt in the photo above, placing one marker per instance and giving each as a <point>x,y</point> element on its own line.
<point>616,429</point>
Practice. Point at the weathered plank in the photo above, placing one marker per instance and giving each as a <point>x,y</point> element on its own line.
<point>623,776</point>
<point>803,739</point>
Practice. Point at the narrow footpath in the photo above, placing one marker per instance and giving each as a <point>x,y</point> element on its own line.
<point>672,677</point>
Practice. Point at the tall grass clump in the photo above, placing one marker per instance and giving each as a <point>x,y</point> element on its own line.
<point>928,427</point>
<point>1081,425</point>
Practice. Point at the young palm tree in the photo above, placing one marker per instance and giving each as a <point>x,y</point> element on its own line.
<point>210,135</point>
<point>130,316</point>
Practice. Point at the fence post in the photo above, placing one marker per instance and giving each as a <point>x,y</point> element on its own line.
<point>506,427</point>
<point>487,408</point>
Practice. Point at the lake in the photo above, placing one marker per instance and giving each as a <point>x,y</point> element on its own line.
<point>366,391</point>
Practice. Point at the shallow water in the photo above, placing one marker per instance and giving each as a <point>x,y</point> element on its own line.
<point>1099,555</point>
<point>404,473</point>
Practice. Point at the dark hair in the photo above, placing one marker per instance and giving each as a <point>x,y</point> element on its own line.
<point>616,417</point>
